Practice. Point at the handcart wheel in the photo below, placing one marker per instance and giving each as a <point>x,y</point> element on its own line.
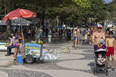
<point>29,59</point>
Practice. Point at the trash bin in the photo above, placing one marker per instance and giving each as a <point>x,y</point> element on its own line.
<point>49,38</point>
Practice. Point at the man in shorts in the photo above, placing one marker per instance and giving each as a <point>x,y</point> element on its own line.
<point>78,34</point>
<point>97,36</point>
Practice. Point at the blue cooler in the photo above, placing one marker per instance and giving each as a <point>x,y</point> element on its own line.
<point>19,58</point>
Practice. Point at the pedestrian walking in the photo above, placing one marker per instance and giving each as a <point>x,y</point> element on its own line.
<point>47,32</point>
<point>84,32</point>
<point>78,34</point>
<point>69,35</point>
<point>91,32</point>
<point>65,34</point>
<point>88,35</point>
<point>75,38</point>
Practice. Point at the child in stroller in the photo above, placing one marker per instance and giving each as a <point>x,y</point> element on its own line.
<point>100,59</point>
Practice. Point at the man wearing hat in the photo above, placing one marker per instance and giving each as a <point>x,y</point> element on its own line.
<point>98,35</point>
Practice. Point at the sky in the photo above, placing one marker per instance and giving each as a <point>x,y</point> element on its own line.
<point>107,1</point>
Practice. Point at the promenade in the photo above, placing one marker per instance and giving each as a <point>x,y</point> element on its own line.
<point>79,63</point>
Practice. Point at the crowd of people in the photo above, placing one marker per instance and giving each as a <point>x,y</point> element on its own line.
<point>60,33</point>
<point>87,35</point>
<point>94,35</point>
<point>2,34</point>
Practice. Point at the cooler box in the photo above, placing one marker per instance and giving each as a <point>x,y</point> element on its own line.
<point>19,58</point>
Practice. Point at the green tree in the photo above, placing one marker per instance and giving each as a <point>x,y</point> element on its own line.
<point>111,13</point>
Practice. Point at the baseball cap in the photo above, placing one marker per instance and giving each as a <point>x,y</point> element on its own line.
<point>99,26</point>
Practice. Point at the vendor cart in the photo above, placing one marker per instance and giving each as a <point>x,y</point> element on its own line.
<point>33,51</point>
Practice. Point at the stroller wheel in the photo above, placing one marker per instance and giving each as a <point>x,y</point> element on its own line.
<point>106,72</point>
<point>94,71</point>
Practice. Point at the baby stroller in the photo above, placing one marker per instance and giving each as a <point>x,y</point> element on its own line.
<point>100,49</point>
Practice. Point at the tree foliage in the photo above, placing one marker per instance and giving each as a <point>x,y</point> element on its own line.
<point>111,13</point>
<point>68,11</point>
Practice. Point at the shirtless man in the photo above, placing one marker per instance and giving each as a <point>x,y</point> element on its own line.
<point>78,33</point>
<point>98,35</point>
<point>110,43</point>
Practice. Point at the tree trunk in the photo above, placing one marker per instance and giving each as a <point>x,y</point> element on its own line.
<point>40,23</point>
<point>9,8</point>
<point>43,16</point>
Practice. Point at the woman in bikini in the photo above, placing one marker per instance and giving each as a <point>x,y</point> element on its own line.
<point>75,38</point>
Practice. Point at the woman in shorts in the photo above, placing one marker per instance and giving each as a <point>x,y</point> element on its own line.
<point>75,38</point>
<point>17,45</point>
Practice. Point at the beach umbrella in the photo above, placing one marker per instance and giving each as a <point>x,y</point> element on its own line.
<point>15,14</point>
<point>18,13</point>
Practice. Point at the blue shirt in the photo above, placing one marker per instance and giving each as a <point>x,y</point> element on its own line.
<point>69,34</point>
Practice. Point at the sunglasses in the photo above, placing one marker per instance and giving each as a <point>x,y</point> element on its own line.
<point>99,28</point>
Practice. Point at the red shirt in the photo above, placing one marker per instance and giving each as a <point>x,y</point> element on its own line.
<point>91,32</point>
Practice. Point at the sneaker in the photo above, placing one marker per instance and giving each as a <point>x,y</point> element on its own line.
<point>7,55</point>
<point>113,69</point>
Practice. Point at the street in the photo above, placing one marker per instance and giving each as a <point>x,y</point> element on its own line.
<point>78,63</point>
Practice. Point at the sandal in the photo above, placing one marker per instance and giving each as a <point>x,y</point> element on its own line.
<point>75,47</point>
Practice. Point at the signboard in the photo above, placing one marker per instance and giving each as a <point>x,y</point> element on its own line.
<point>110,25</point>
<point>33,49</point>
